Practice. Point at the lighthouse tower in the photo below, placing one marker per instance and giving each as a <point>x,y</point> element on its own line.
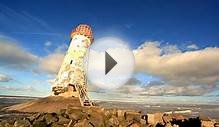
<point>71,80</point>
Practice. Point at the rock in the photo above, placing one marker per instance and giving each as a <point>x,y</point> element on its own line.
<point>179,117</point>
<point>76,113</point>
<point>107,114</point>
<point>174,125</point>
<point>50,118</point>
<point>145,117</point>
<point>8,125</point>
<point>90,124</point>
<point>168,125</point>
<point>100,117</point>
<point>33,117</point>
<point>167,118</point>
<point>82,123</point>
<point>216,125</point>
<point>98,110</point>
<point>132,115</point>
<point>2,123</point>
<point>62,111</point>
<point>57,125</point>
<point>39,124</point>
<point>9,122</point>
<point>123,123</point>
<point>143,122</point>
<point>5,124</point>
<point>71,110</point>
<point>207,123</point>
<point>113,112</point>
<point>113,121</point>
<point>120,113</point>
<point>22,123</point>
<point>63,120</point>
<point>204,117</point>
<point>96,118</point>
<point>135,125</point>
<point>155,118</point>
<point>77,116</point>
<point>41,117</point>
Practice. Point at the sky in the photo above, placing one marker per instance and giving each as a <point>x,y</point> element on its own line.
<point>175,44</point>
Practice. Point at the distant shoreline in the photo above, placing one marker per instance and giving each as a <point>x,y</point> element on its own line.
<point>19,96</point>
<point>115,101</point>
<point>211,110</point>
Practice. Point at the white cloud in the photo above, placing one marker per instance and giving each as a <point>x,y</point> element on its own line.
<point>128,87</point>
<point>196,66</point>
<point>192,46</point>
<point>14,56</point>
<point>159,88</point>
<point>27,88</point>
<point>182,73</point>
<point>4,78</point>
<point>170,49</point>
<point>173,89</point>
<point>190,68</point>
<point>51,63</point>
<point>177,90</point>
<point>48,43</point>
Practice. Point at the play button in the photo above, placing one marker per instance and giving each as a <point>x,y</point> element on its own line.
<point>109,63</point>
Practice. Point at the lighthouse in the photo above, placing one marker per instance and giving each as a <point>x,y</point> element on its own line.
<point>71,80</point>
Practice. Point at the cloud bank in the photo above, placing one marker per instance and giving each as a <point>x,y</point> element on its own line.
<point>20,89</point>
<point>183,73</point>
<point>180,72</point>
<point>14,56</point>
<point>192,46</point>
<point>191,67</point>
<point>4,78</point>
<point>51,63</point>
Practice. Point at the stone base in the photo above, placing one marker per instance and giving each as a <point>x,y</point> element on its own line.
<point>47,104</point>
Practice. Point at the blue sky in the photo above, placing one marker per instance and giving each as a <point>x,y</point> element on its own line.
<point>173,21</point>
<point>41,29</point>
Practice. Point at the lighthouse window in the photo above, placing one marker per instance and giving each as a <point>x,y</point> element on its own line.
<point>71,61</point>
